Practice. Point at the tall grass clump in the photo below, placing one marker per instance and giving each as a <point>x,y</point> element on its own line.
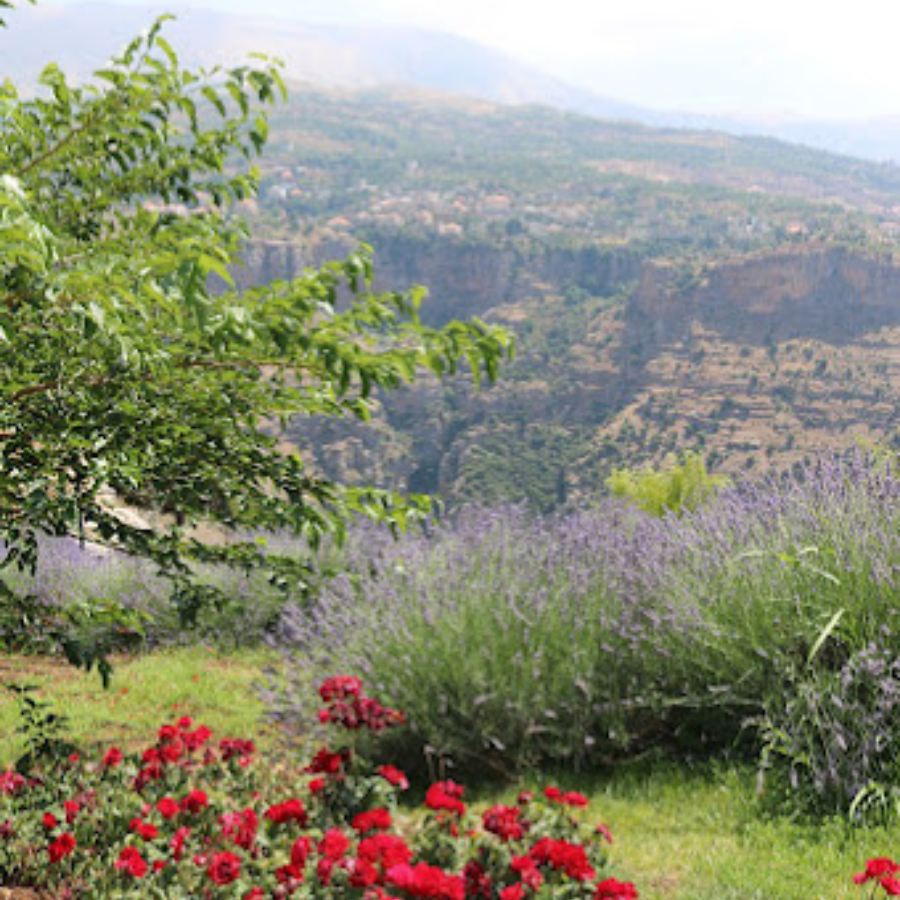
<point>762,622</point>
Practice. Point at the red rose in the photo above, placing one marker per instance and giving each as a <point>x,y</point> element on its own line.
<point>327,763</point>
<point>324,868</point>
<point>289,811</point>
<point>615,890</point>
<point>131,862</point>
<point>224,868</point>
<point>427,881</point>
<point>504,821</point>
<point>167,734</point>
<point>11,783</point>
<point>334,845</point>
<point>72,808</point>
<point>61,847</point>
<point>891,886</point>
<point>553,794</point>
<point>446,795</point>
<point>168,807</point>
<point>316,786</point>
<point>371,820</point>
<point>241,827</point>
<point>146,830</point>
<point>513,892</point>
<point>151,772</point>
<point>177,843</point>
<point>877,868</point>
<point>195,801</point>
<point>172,751</point>
<point>113,757</point>
<point>478,882</point>
<point>393,775</point>
<point>566,857</point>
<point>526,868</point>
<point>232,748</point>
<point>385,850</point>
<point>362,873</point>
<point>573,798</point>
<point>300,852</point>
<point>194,740</point>
<point>289,874</point>
<point>49,821</point>
<point>340,687</point>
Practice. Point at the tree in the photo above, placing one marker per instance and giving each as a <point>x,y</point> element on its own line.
<point>125,379</point>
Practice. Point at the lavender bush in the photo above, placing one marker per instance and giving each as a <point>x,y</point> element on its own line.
<point>834,734</point>
<point>513,641</point>
<point>71,576</point>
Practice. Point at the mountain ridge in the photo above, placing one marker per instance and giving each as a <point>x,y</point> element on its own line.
<point>368,56</point>
<point>332,55</point>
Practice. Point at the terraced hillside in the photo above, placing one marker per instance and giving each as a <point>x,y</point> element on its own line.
<point>671,290</point>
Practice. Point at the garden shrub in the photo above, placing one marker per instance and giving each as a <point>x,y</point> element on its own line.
<point>190,817</point>
<point>514,642</point>
<point>72,578</point>
<point>678,487</point>
<point>835,733</point>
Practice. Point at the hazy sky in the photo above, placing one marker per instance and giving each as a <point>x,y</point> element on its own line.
<point>829,58</point>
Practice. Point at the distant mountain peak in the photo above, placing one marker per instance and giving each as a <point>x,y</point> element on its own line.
<point>324,54</point>
<point>365,56</point>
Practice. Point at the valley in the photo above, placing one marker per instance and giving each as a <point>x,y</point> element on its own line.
<point>670,291</point>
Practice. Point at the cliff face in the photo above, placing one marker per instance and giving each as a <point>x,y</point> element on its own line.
<point>827,294</point>
<point>755,362</point>
<point>463,279</point>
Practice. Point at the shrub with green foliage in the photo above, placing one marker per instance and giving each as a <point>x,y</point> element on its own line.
<point>676,488</point>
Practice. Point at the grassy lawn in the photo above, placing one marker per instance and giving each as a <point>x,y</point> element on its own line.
<point>146,692</point>
<point>683,835</point>
<point>680,833</point>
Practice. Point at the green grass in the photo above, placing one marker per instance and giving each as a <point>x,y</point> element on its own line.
<point>146,691</point>
<point>681,832</point>
<point>700,834</point>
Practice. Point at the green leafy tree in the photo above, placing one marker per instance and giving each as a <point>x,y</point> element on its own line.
<point>124,380</point>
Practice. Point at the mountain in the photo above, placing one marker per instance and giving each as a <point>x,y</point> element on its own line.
<point>876,139</point>
<point>334,55</point>
<point>371,56</point>
<point>670,289</point>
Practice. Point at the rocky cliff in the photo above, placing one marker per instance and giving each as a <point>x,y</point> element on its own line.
<point>464,278</point>
<point>756,361</point>
<point>826,293</point>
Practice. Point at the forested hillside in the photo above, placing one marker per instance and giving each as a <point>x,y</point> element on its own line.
<point>671,290</point>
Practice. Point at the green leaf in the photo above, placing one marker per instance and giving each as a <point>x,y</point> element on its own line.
<point>824,635</point>
<point>213,97</point>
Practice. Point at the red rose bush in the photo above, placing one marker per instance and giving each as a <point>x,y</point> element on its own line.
<point>193,817</point>
<point>882,874</point>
